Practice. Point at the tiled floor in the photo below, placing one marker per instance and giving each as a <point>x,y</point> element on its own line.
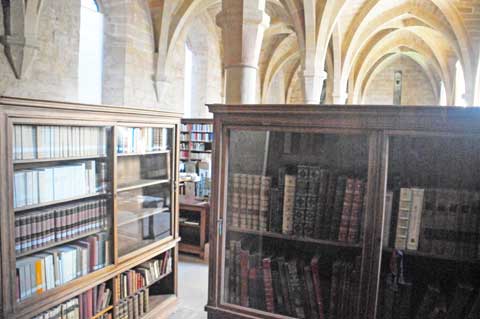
<point>192,289</point>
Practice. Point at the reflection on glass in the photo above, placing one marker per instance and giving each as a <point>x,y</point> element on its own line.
<point>431,231</point>
<point>295,218</point>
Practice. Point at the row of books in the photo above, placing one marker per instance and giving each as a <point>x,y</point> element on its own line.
<point>437,221</point>
<point>198,147</point>
<point>294,288</point>
<point>42,185</point>
<point>184,155</point>
<point>306,201</point>
<point>144,275</point>
<point>197,127</point>
<point>200,156</point>
<point>201,137</point>
<point>459,300</point>
<point>141,140</point>
<point>39,229</point>
<point>54,267</point>
<point>45,142</point>
<point>134,307</point>
<point>85,306</point>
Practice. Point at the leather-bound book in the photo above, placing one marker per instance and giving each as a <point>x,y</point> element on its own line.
<point>250,189</point>
<point>337,207</point>
<point>284,283</point>
<point>301,189</point>
<point>461,299</point>
<point>268,285</point>
<point>310,292</point>
<point>238,272</point>
<point>321,202</point>
<point>288,204</point>
<point>279,305</point>
<point>265,186</point>
<point>244,279</point>
<point>252,288</point>
<point>317,287</point>
<point>295,290</point>
<point>425,238</point>
<point>256,189</point>
<point>329,207</point>
<point>243,200</point>
<point>275,210</point>
<point>428,302</point>
<point>235,216</point>
<point>346,210</point>
<point>337,269</point>
<point>440,222</point>
<point>310,214</point>
<point>450,231</point>
<point>356,214</point>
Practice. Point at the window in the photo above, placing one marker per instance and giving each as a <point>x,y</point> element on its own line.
<point>460,86</point>
<point>90,62</point>
<point>188,83</point>
<point>443,95</point>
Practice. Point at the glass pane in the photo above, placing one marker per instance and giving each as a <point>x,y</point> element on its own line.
<point>295,218</point>
<point>62,204</point>
<point>144,187</point>
<point>431,229</point>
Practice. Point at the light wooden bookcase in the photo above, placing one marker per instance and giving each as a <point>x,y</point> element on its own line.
<point>136,172</point>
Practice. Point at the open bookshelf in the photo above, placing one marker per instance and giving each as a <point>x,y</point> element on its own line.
<point>367,212</point>
<point>196,145</point>
<point>91,193</point>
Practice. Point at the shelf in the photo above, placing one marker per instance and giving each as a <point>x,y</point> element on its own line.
<point>189,225</point>
<point>146,286</point>
<point>184,141</point>
<point>140,216</point>
<point>160,306</point>
<point>56,202</point>
<point>196,141</point>
<point>58,243</point>
<point>294,238</point>
<point>101,313</point>
<point>198,151</point>
<point>55,160</point>
<point>141,183</point>
<point>416,253</point>
<point>143,154</point>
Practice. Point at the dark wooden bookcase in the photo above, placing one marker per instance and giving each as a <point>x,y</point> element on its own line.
<point>346,211</point>
<point>129,161</point>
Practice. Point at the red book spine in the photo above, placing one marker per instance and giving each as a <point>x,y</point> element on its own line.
<point>346,211</point>
<point>317,286</point>
<point>244,278</point>
<point>268,285</point>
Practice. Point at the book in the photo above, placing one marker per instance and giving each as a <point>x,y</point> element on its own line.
<point>295,290</point>
<point>426,224</point>
<point>415,218</point>
<point>321,203</point>
<point>288,204</point>
<point>265,186</point>
<point>387,219</point>
<point>255,209</point>
<point>337,208</point>
<point>317,287</point>
<point>403,219</point>
<point>355,223</point>
<point>346,210</point>
<point>268,285</point>
<point>235,215</point>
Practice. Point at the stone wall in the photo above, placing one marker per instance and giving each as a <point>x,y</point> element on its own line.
<point>54,72</point>
<point>416,90</point>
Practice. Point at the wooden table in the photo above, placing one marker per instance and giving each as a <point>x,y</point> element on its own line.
<point>201,207</point>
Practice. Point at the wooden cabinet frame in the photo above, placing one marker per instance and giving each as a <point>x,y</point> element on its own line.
<point>29,111</point>
<point>376,122</point>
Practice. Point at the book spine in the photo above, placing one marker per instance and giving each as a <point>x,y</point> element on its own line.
<point>256,180</point>
<point>415,218</point>
<point>266,183</point>
<point>403,219</point>
<point>425,244</point>
<point>336,212</point>
<point>347,210</point>
<point>250,201</point>
<point>301,188</point>
<point>288,204</point>
<point>244,277</point>
<point>235,221</point>
<point>355,225</point>
<point>243,200</point>
<point>321,203</point>
<point>296,292</point>
<point>268,285</point>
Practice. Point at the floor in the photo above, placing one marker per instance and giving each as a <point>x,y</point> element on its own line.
<point>192,289</point>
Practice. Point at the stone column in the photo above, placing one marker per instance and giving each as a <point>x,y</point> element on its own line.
<point>312,85</point>
<point>243,23</point>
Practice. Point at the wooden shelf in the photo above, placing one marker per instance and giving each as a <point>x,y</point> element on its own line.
<point>58,243</point>
<point>140,215</point>
<point>101,313</point>
<point>421,254</point>
<point>141,183</point>
<point>198,151</point>
<point>294,238</point>
<point>160,306</point>
<point>189,225</point>
<point>57,202</point>
<point>197,141</point>
<point>30,162</point>
<point>143,154</point>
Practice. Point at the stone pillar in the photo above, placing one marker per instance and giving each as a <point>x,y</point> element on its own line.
<point>340,97</point>
<point>312,85</point>
<point>243,23</point>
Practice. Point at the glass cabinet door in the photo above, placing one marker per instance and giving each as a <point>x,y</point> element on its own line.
<point>144,187</point>
<point>295,216</point>
<point>430,259</point>
<point>62,204</point>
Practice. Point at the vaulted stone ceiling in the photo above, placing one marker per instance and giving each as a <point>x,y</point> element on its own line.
<point>350,40</point>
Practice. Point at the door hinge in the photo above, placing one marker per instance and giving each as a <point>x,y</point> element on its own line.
<point>220,226</point>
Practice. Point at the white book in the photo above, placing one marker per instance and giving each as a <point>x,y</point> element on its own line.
<point>43,142</point>
<point>59,189</point>
<point>20,190</point>
<point>28,142</point>
<point>45,185</point>
<point>56,142</point>
<point>64,141</point>
<point>29,187</point>
<point>404,212</point>
<point>35,192</point>
<point>415,218</point>
<point>17,142</point>
<point>88,140</point>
